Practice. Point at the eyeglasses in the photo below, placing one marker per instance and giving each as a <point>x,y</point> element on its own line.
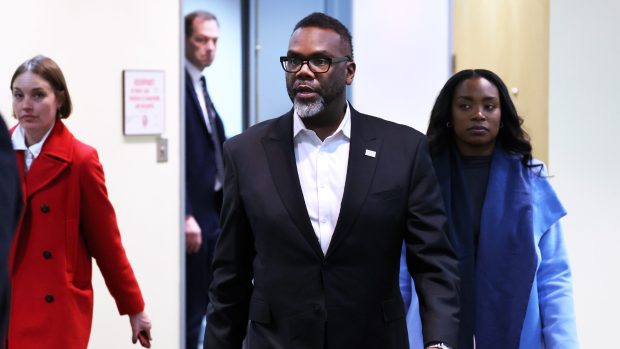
<point>316,64</point>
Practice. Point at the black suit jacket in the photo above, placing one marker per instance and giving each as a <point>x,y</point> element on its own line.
<point>10,204</point>
<point>269,267</point>
<point>200,169</point>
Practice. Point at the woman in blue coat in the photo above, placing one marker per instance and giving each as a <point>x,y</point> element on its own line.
<point>516,287</point>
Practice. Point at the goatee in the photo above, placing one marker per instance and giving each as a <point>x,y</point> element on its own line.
<point>309,109</point>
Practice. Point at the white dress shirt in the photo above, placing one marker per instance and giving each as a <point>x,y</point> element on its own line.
<point>322,170</point>
<point>30,152</point>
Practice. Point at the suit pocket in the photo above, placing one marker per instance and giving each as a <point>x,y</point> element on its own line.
<point>307,330</point>
<point>393,309</point>
<point>77,258</point>
<point>387,194</point>
<point>259,312</point>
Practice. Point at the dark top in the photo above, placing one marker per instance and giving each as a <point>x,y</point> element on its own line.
<point>10,204</point>
<point>476,175</point>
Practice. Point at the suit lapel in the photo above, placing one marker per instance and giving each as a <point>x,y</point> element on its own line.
<point>190,91</point>
<point>279,150</point>
<point>360,172</point>
<point>55,156</point>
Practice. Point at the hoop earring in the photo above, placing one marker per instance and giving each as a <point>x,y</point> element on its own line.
<point>448,124</point>
<point>501,124</point>
<point>58,114</point>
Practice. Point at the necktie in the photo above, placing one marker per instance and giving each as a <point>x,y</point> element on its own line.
<point>212,119</point>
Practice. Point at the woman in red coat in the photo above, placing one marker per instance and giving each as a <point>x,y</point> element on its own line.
<point>67,221</point>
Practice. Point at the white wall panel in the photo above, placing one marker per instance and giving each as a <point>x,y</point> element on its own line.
<point>402,49</point>
<point>93,41</point>
<point>584,119</point>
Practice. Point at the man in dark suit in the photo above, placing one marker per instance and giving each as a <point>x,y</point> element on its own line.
<point>10,204</point>
<point>204,135</point>
<point>316,206</point>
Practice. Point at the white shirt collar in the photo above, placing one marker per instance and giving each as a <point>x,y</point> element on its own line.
<point>19,141</point>
<point>194,72</point>
<point>345,124</point>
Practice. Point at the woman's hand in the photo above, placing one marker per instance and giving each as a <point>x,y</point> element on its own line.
<point>140,329</point>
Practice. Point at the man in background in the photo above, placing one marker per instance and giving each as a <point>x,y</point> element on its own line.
<point>204,136</point>
<point>10,204</point>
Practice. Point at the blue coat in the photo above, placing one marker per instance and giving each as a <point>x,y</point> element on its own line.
<point>548,319</point>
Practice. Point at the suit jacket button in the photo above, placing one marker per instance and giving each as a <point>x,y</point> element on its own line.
<point>45,208</point>
<point>49,298</point>
<point>47,254</point>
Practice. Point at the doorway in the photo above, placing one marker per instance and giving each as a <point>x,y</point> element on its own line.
<point>510,38</point>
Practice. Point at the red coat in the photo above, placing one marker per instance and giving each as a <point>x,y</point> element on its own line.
<point>67,220</point>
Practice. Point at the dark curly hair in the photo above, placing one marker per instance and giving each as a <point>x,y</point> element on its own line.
<point>511,136</point>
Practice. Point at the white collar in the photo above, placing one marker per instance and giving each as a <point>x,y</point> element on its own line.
<point>193,71</point>
<point>345,124</point>
<point>19,141</point>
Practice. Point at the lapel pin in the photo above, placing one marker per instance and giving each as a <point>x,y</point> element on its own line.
<point>370,153</point>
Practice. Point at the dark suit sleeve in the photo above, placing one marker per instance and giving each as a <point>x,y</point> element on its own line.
<point>231,288</point>
<point>430,258</point>
<point>10,205</point>
<point>10,189</point>
<point>188,203</point>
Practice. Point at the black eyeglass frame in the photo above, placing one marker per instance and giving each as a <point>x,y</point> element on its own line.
<point>330,60</point>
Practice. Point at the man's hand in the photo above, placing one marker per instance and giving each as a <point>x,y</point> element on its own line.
<point>140,327</point>
<point>193,235</point>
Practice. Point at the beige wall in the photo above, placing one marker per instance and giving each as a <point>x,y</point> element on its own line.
<point>584,120</point>
<point>93,41</point>
<point>510,38</point>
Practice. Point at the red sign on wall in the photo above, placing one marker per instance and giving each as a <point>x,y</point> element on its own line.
<point>143,105</point>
